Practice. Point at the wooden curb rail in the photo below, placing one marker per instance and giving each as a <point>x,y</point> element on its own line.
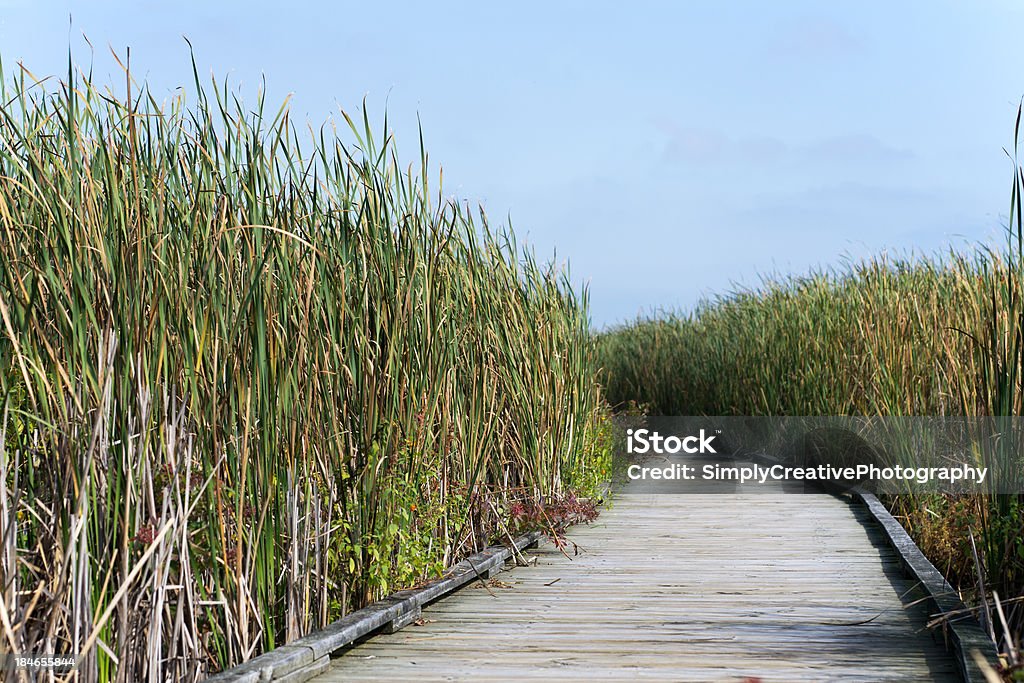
<point>308,656</point>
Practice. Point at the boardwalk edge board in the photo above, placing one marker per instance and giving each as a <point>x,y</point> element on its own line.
<point>304,658</point>
<point>965,633</point>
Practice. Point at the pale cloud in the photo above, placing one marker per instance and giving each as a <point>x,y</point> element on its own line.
<point>695,145</point>
<point>852,192</point>
<point>764,149</point>
<point>849,194</point>
<point>702,146</point>
<point>851,209</point>
<point>699,145</point>
<point>814,38</point>
<point>856,147</point>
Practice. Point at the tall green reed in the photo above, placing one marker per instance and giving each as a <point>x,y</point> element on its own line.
<point>254,376</point>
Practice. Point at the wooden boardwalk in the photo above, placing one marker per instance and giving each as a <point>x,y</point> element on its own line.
<point>770,587</point>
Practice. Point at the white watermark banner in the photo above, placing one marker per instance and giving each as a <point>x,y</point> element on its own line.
<point>979,456</point>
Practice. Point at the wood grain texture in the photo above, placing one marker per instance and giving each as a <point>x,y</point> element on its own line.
<point>773,587</point>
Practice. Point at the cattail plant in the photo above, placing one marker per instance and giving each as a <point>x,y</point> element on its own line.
<point>253,376</point>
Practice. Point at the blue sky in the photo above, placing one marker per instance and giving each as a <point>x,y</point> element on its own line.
<point>668,150</point>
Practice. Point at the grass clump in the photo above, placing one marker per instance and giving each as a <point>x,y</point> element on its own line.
<point>254,377</point>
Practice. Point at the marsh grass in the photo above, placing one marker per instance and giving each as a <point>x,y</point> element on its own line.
<point>887,336</point>
<point>254,376</point>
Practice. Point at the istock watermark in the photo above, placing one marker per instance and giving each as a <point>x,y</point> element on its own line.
<point>762,474</point>
<point>977,456</point>
<point>642,441</point>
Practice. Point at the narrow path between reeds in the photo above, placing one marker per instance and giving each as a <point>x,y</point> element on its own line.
<point>702,587</point>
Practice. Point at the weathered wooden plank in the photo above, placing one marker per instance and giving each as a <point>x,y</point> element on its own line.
<point>681,587</point>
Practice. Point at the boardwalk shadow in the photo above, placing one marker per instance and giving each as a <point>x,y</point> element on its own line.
<point>909,592</point>
<point>833,448</point>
